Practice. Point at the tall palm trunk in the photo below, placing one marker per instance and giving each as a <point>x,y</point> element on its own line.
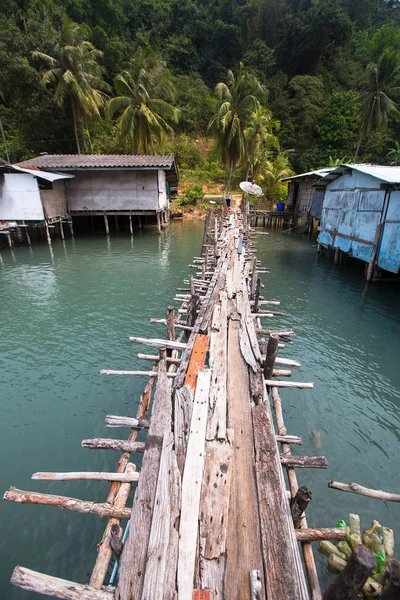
<point>75,120</point>
<point>3,135</point>
<point>230,175</point>
<point>358,146</point>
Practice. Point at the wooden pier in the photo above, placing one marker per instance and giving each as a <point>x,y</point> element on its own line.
<point>212,517</point>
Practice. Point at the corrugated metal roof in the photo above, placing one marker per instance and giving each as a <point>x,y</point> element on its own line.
<point>387,174</point>
<point>35,172</point>
<point>99,161</point>
<point>382,172</point>
<point>317,173</point>
<point>43,174</point>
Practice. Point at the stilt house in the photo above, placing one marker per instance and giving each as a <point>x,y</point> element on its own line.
<point>114,184</point>
<point>304,199</point>
<point>361,214</point>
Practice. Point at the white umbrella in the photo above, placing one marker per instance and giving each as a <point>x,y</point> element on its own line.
<point>250,188</point>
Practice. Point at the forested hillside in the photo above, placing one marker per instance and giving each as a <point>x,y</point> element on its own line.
<point>311,59</point>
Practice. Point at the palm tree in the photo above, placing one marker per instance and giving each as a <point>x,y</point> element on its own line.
<point>394,154</point>
<point>377,104</point>
<point>76,73</point>
<point>143,101</point>
<point>239,99</point>
<point>259,135</point>
<point>275,169</point>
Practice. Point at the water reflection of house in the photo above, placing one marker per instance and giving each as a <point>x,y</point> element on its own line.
<point>30,198</point>
<point>122,185</point>
<point>304,198</point>
<point>361,215</point>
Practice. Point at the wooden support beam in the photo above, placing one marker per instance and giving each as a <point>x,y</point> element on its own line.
<point>289,384</point>
<point>158,343</point>
<point>177,325</point>
<point>156,358</point>
<point>299,503</point>
<point>272,351</point>
<point>289,439</point>
<point>117,421</point>
<point>316,535</point>
<point>303,462</point>
<point>72,504</point>
<point>355,488</point>
<point>281,373</point>
<point>32,581</point>
<point>111,444</point>
<point>87,476</point>
<point>140,373</point>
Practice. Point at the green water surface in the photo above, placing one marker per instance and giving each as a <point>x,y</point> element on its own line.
<point>68,314</point>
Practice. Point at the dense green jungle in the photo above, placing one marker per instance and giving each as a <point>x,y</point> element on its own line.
<point>259,88</point>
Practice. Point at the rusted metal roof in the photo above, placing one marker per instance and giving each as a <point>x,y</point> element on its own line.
<point>99,161</point>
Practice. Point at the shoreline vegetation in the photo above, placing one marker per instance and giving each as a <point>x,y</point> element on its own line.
<point>234,90</point>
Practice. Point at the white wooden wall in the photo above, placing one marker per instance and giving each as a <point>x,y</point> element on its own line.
<point>20,198</point>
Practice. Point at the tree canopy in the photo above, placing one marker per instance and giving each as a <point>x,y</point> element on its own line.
<point>323,63</point>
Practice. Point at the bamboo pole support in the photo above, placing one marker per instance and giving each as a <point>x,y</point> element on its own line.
<point>61,230</point>
<point>106,225</point>
<point>71,227</point>
<point>130,225</point>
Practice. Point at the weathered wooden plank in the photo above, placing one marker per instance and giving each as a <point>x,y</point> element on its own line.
<point>158,343</point>
<point>117,421</point>
<point>197,360</point>
<point>212,575</point>
<point>300,462</point>
<point>289,384</point>
<point>284,572</point>
<point>243,544</point>
<point>87,476</point>
<point>140,373</point>
<point>132,562</point>
<point>72,504</point>
<point>163,534</point>
<point>216,426</point>
<point>289,439</point>
<point>214,504</point>
<point>33,581</point>
<point>191,488</point>
<point>182,418</point>
<point>111,444</point>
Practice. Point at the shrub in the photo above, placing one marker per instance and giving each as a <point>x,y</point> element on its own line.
<point>191,195</point>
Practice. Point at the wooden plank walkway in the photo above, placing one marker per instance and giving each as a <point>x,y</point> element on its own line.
<point>211,517</point>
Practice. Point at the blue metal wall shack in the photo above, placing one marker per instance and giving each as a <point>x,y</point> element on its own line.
<point>352,210</point>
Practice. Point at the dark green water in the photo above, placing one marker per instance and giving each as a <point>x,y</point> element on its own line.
<point>66,316</point>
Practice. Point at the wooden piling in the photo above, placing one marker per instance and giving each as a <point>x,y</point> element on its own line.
<point>106,225</point>
<point>272,351</point>
<point>299,504</point>
<point>130,224</point>
<point>351,580</point>
<point>61,230</point>
<point>171,323</point>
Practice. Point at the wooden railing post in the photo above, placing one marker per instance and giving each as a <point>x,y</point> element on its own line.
<point>171,323</point>
<point>272,351</point>
<point>299,503</point>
